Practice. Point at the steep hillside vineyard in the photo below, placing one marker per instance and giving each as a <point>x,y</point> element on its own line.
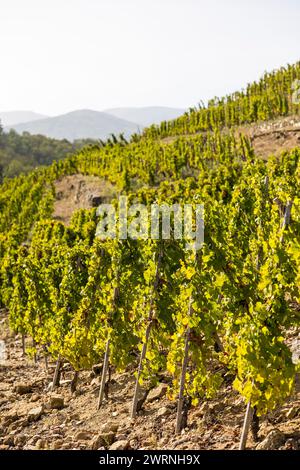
<point>222,311</point>
<point>270,97</point>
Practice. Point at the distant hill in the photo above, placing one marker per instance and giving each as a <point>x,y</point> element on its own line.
<point>81,124</point>
<point>146,116</point>
<point>10,118</point>
<point>23,153</point>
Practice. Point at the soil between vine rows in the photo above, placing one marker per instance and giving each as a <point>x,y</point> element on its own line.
<point>215,424</point>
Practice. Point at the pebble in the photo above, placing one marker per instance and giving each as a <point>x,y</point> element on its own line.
<point>104,439</point>
<point>22,388</point>
<point>56,402</point>
<point>119,445</point>
<point>83,436</point>
<point>273,441</point>
<point>157,392</point>
<point>35,413</point>
<point>110,427</point>
<point>293,412</point>
<point>163,411</point>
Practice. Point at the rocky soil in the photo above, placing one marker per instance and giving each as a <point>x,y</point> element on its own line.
<point>77,191</point>
<point>35,417</point>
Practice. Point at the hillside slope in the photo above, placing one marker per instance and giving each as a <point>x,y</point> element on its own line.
<point>216,321</point>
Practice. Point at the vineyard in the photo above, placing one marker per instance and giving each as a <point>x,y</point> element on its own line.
<point>201,319</point>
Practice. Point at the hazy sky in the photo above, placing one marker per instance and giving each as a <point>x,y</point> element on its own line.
<point>61,55</point>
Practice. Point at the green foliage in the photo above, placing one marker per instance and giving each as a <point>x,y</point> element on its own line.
<point>234,300</point>
<point>22,153</point>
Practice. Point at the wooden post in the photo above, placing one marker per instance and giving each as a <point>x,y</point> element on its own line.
<point>182,382</point>
<point>140,368</point>
<point>46,362</point>
<point>45,357</point>
<point>23,345</point>
<point>246,426</point>
<point>56,377</point>
<point>104,373</point>
<point>74,381</point>
<point>286,219</point>
<point>35,354</point>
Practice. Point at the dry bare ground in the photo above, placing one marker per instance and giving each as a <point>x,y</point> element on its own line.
<point>34,417</point>
<point>75,192</point>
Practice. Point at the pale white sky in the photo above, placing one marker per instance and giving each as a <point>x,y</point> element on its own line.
<point>61,55</point>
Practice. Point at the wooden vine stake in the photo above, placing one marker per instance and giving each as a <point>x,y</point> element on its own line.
<point>249,409</point>
<point>246,426</point>
<point>35,357</point>
<point>145,344</point>
<point>103,376</point>
<point>23,345</point>
<point>46,363</point>
<point>74,381</point>
<point>56,377</point>
<point>287,218</point>
<point>183,375</point>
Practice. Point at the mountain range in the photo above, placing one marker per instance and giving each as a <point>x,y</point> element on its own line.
<point>10,118</point>
<point>86,123</point>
